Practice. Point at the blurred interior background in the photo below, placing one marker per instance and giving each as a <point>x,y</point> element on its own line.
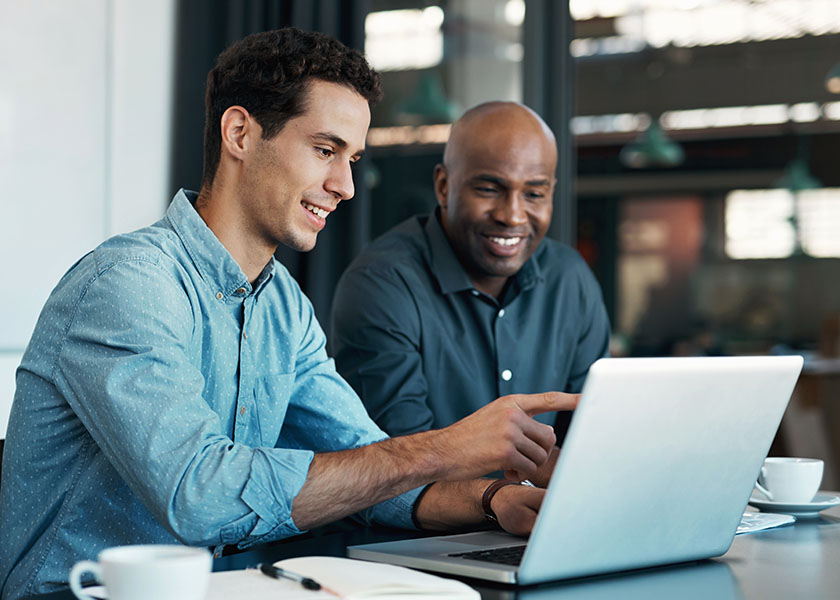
<point>699,139</point>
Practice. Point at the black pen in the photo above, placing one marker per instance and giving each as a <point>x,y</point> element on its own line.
<point>278,573</point>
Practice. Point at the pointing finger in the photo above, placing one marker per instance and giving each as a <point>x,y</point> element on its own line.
<point>534,404</point>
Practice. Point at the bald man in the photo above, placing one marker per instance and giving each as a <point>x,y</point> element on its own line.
<point>448,311</point>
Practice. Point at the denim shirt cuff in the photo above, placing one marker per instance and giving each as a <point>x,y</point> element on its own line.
<point>397,511</point>
<point>277,475</point>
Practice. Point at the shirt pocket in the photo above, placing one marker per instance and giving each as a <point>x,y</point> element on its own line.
<point>272,395</point>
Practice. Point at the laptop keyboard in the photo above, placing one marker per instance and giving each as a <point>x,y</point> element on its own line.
<point>510,555</point>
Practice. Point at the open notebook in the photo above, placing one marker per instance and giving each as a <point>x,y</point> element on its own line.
<point>350,579</point>
<point>340,577</point>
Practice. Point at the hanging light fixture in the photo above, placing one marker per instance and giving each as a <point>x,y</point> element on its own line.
<point>832,79</point>
<point>653,148</point>
<point>797,177</point>
<point>427,104</point>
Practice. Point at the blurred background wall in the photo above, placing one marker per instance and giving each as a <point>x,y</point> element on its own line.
<point>699,147</point>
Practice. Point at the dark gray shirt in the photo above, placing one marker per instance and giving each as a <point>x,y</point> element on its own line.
<point>423,348</point>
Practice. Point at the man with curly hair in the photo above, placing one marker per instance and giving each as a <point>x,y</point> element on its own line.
<point>176,387</point>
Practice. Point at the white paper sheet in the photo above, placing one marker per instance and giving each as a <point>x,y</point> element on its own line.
<point>756,521</point>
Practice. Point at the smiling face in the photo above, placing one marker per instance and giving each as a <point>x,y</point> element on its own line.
<point>495,191</point>
<point>293,181</point>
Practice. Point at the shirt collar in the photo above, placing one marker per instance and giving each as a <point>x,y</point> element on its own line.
<point>452,277</point>
<point>215,264</point>
<point>444,264</point>
<point>530,274</point>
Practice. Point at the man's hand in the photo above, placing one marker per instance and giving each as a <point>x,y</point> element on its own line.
<point>516,507</point>
<point>501,436</point>
<point>543,475</point>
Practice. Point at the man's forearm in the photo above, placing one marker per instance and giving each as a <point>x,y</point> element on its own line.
<point>345,482</point>
<point>452,504</point>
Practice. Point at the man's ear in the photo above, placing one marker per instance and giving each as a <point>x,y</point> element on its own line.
<point>238,130</point>
<point>441,184</point>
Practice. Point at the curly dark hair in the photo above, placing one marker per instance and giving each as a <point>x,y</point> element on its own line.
<point>268,74</point>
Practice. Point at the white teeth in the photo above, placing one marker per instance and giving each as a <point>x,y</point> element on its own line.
<point>314,209</point>
<point>505,241</point>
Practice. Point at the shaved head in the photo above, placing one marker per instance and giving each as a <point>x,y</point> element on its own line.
<point>496,122</point>
<point>495,190</point>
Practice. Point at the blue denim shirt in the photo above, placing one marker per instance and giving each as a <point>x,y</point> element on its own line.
<point>163,399</point>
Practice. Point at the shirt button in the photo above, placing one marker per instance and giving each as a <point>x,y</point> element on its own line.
<point>245,335</point>
<point>475,292</point>
<point>240,291</point>
<point>242,411</point>
<point>219,295</point>
<point>506,374</point>
<point>501,313</point>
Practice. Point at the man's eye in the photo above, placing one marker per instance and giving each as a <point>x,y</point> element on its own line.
<point>485,190</point>
<point>326,152</point>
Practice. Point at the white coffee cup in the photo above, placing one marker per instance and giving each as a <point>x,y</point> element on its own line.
<point>790,480</point>
<point>142,572</point>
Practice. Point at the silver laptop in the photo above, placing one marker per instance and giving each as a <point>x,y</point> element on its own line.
<point>657,468</point>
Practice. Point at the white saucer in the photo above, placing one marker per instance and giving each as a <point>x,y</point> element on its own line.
<point>806,509</point>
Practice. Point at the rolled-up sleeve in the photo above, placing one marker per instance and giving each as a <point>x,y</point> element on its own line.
<point>124,367</point>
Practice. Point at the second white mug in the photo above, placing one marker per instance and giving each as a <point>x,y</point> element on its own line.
<point>790,480</point>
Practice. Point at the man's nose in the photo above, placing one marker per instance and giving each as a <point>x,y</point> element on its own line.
<point>340,181</point>
<point>511,211</point>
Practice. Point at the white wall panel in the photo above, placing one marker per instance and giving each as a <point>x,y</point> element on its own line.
<point>52,161</point>
<point>8,363</point>
<point>143,65</point>
<point>85,122</point>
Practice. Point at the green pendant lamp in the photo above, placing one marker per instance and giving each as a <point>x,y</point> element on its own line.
<point>652,149</point>
<point>832,79</point>
<point>427,105</point>
<point>797,177</point>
